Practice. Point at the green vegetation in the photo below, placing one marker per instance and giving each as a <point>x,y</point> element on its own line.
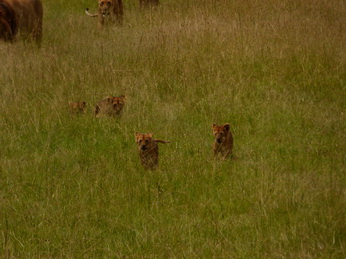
<point>73,186</point>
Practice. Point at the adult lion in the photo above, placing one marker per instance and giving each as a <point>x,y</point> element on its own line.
<point>110,9</point>
<point>22,17</point>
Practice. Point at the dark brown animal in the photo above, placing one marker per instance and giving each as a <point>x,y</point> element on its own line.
<point>111,106</point>
<point>112,10</point>
<point>223,144</point>
<point>148,150</point>
<point>148,3</point>
<point>23,17</point>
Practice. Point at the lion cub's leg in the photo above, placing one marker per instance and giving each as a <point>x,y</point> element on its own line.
<point>101,20</point>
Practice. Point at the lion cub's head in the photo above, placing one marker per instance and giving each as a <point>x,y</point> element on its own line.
<point>106,7</point>
<point>144,141</point>
<point>118,103</point>
<point>77,107</point>
<point>220,132</point>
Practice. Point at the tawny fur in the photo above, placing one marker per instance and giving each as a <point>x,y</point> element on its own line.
<point>23,17</point>
<point>110,106</point>
<point>223,144</point>
<point>148,150</point>
<point>147,3</point>
<point>111,10</point>
<point>77,107</point>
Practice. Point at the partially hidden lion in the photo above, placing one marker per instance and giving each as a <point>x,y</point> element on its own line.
<point>110,106</point>
<point>77,107</point>
<point>112,10</point>
<point>21,17</point>
<point>223,144</point>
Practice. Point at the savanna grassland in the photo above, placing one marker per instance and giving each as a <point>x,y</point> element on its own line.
<point>73,187</point>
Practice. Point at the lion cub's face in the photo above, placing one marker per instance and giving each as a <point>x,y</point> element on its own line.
<point>118,103</point>
<point>106,6</point>
<point>220,132</point>
<point>144,141</point>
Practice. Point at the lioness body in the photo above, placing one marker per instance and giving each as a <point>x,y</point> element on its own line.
<point>148,150</point>
<point>23,17</point>
<point>223,144</point>
<point>112,10</point>
<point>111,106</point>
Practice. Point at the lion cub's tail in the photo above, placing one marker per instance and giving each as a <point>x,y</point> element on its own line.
<point>90,14</point>
<point>161,141</point>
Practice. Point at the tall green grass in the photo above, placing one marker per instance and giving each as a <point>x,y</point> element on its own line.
<point>73,186</point>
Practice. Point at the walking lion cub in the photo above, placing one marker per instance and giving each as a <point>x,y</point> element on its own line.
<point>223,144</point>
<point>148,150</point>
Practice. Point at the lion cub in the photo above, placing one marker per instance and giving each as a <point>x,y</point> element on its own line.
<point>77,107</point>
<point>111,106</point>
<point>223,144</point>
<point>148,150</point>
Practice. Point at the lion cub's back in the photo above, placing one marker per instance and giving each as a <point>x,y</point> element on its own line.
<point>104,106</point>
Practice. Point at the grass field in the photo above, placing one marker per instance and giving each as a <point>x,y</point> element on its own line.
<point>73,186</point>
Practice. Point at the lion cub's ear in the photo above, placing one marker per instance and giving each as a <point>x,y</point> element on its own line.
<point>226,126</point>
<point>150,135</point>
<point>214,126</point>
<point>137,136</point>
